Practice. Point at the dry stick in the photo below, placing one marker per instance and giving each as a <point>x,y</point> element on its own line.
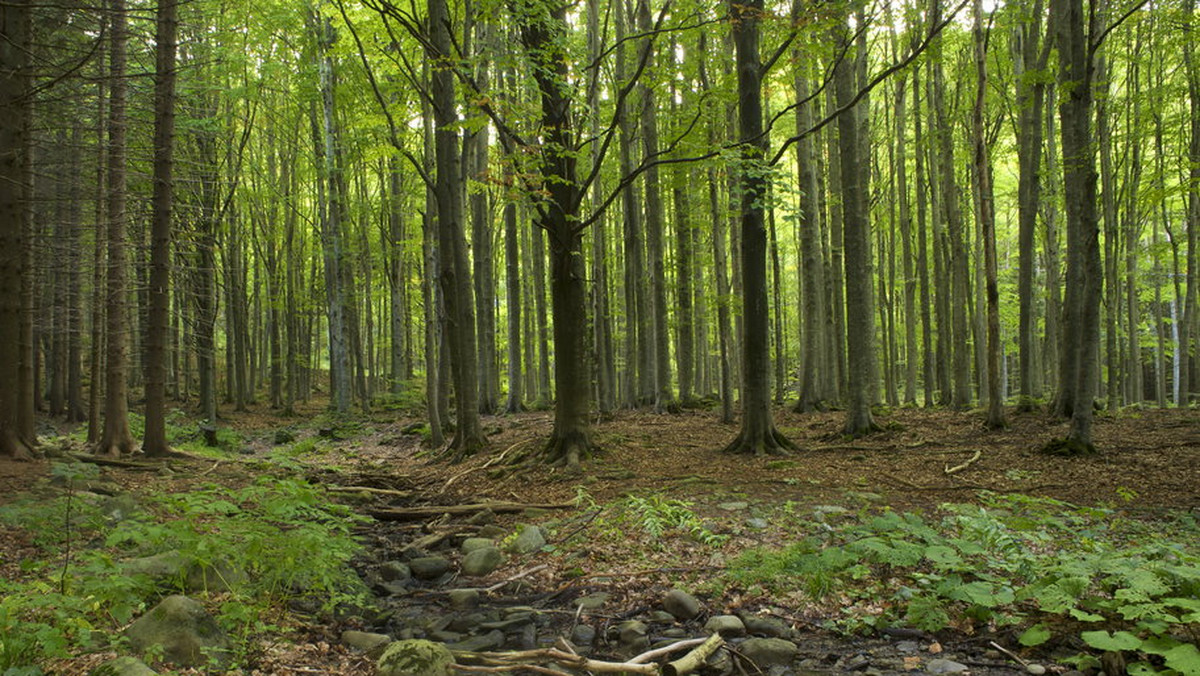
<point>1008,652</point>
<point>369,490</point>
<point>703,648</point>
<point>485,465</point>
<point>516,577</point>
<point>968,463</point>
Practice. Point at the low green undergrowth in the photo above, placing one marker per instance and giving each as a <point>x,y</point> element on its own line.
<point>282,539</point>
<point>1051,570</point>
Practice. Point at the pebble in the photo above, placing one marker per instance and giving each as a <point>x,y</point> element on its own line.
<point>681,605</point>
<point>1035,669</point>
<point>944,666</point>
<point>728,626</point>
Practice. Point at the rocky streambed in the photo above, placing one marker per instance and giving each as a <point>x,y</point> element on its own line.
<point>483,594</point>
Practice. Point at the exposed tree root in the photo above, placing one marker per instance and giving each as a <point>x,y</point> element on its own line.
<point>767,441</point>
<point>1069,447</point>
<point>14,448</point>
<point>568,450</point>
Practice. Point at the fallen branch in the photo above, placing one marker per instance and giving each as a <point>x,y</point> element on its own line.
<point>514,578</point>
<point>427,511</point>
<point>641,664</point>
<point>968,463</point>
<point>369,490</point>
<point>489,463</point>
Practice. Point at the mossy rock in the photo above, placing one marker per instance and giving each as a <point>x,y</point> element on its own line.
<point>415,657</point>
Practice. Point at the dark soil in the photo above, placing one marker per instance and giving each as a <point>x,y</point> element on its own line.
<point>1148,462</point>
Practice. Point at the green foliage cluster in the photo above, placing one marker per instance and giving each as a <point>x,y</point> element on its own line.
<point>282,533</point>
<point>1057,569</point>
<point>661,517</point>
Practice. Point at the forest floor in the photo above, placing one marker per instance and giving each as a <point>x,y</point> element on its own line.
<point>1148,467</point>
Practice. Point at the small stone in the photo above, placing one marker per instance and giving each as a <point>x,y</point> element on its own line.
<point>429,567</point>
<point>512,623</point>
<point>478,644</point>
<point>632,632</point>
<point>767,626</point>
<point>728,626</point>
<point>467,624</point>
<point>735,506</point>
<point>530,539</point>
<point>583,635</point>
<point>661,617</point>
<point>484,518</point>
<point>592,601</point>
<point>413,657</point>
<point>944,666</point>
<point>371,644</point>
<point>675,632</point>
<point>492,531</point>
<point>1035,669</point>
<point>463,599</point>
<point>682,605</point>
<point>769,652</point>
<point>395,571</point>
<point>481,562</point>
<point>471,544</point>
<point>908,646</point>
<point>123,666</point>
<point>757,523</point>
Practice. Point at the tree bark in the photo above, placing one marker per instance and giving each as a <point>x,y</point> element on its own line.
<point>117,438</point>
<point>166,28</point>
<point>758,434</point>
<point>16,113</point>
<point>856,238</point>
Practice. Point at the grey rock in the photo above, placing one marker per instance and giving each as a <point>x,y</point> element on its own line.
<point>682,605</point>
<point>592,601</point>
<point>467,624</point>
<point>481,562</point>
<point>944,666</point>
<point>735,506</point>
<point>395,571</point>
<point>484,518</point>
<point>908,647</point>
<point>363,641</point>
<point>769,652</point>
<point>390,589</point>
<point>728,626</point>
<point>118,507</point>
<point>661,617</point>
<point>529,540</point>
<point>771,627</point>
<point>429,567</point>
<point>123,666</point>
<point>471,544</point>
<point>511,623</point>
<point>189,636</point>
<point>446,636</point>
<point>478,644</point>
<point>583,635</point>
<point>415,657</point>
<point>1035,669</point>
<point>675,632</point>
<point>631,632</point>
<point>492,531</point>
<point>757,523</point>
<point>463,599</point>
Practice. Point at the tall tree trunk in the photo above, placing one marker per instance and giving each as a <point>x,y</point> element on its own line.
<point>16,92</point>
<point>1108,202</point>
<point>987,218</point>
<point>166,27</point>
<point>117,438</point>
<point>1188,376</point>
<point>664,398</point>
<point>813,329</point>
<point>481,237</point>
<point>928,363</point>
<point>911,355</point>
<point>856,237</point>
<point>1084,274</point>
<point>602,339</point>
<point>454,272</point>
<point>1054,307</point>
<point>758,434</point>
